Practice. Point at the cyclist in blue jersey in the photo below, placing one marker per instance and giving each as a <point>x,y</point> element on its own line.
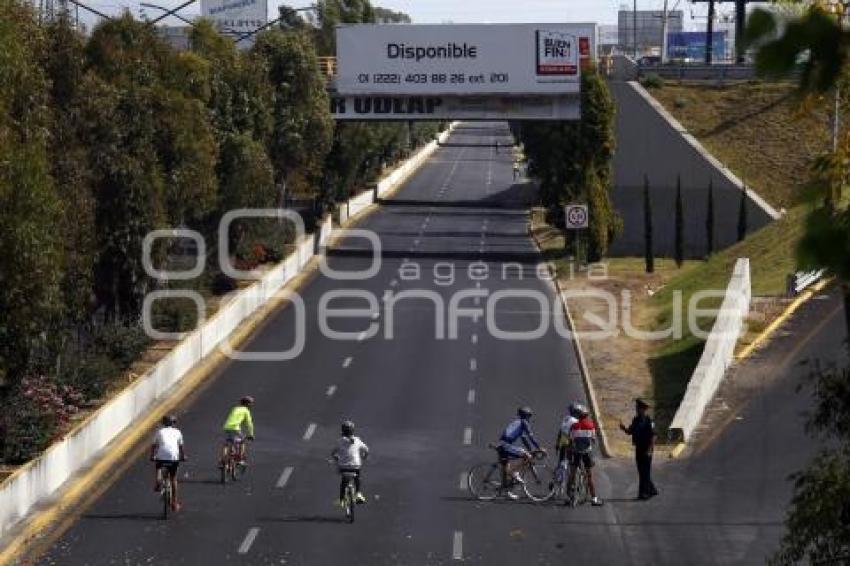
<point>510,453</point>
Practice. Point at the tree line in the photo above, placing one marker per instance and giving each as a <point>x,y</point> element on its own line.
<point>571,161</point>
<point>107,137</point>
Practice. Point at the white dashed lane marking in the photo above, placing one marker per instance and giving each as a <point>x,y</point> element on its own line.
<point>467,436</point>
<point>457,546</point>
<point>331,390</point>
<point>473,364</point>
<point>470,397</point>
<point>249,540</point>
<point>284,477</point>
<point>475,338</point>
<point>462,483</point>
<point>311,430</point>
<point>347,362</point>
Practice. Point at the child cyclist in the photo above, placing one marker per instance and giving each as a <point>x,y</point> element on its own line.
<point>349,455</point>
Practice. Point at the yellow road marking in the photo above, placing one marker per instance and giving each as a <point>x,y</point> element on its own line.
<point>92,482</point>
<point>677,450</point>
<point>780,320</point>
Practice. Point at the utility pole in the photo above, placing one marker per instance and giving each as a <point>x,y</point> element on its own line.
<point>709,35</point>
<point>664,18</point>
<point>740,26</point>
<point>634,30</point>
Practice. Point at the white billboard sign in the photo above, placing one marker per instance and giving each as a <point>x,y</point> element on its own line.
<point>463,59</point>
<point>236,17</point>
<point>413,108</point>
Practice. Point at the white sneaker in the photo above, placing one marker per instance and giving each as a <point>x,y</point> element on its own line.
<point>596,502</point>
<point>511,495</point>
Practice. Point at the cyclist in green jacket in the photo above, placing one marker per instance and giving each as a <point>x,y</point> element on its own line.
<point>239,420</point>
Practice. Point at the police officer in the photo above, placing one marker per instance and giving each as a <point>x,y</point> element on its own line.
<point>642,431</point>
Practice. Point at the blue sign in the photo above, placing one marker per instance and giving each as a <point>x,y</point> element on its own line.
<point>691,45</point>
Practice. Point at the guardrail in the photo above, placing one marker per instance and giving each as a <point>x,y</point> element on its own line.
<point>798,282</point>
<point>716,355</point>
<point>720,72</point>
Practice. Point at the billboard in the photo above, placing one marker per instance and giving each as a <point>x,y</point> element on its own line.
<point>414,108</point>
<point>462,59</point>
<point>236,17</point>
<point>690,45</point>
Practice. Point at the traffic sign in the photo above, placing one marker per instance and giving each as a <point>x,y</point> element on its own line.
<point>576,216</point>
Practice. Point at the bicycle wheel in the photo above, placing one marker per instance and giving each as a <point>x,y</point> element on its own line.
<point>538,482</point>
<point>166,495</point>
<point>485,481</point>
<point>581,486</point>
<point>350,502</point>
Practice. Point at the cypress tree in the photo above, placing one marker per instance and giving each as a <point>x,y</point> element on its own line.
<point>649,253</point>
<point>679,252</point>
<point>709,221</point>
<point>742,215</point>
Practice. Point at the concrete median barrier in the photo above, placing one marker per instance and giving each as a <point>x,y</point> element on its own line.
<point>717,354</point>
<point>39,479</point>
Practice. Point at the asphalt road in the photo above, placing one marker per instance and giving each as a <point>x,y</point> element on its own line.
<point>427,406</point>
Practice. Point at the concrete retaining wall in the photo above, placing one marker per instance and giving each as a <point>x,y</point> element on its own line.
<point>651,142</point>
<point>44,475</point>
<point>396,178</point>
<point>41,477</point>
<point>717,354</point>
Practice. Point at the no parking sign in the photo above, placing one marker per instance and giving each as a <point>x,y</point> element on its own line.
<point>576,216</point>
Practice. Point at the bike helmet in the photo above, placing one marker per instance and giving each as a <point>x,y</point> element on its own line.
<point>524,412</point>
<point>247,401</point>
<point>347,428</point>
<point>581,410</point>
<point>169,420</point>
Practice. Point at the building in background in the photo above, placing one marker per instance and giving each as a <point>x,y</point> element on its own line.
<point>648,28</point>
<point>608,38</point>
<point>689,46</point>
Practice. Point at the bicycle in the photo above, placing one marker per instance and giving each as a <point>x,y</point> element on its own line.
<point>485,480</point>
<point>163,477</point>
<point>579,492</point>
<point>232,467</point>
<point>560,477</point>
<point>350,499</point>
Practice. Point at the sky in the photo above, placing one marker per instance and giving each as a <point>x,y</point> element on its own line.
<point>462,11</point>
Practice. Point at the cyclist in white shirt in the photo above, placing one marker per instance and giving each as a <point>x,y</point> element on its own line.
<point>167,452</point>
<point>349,454</point>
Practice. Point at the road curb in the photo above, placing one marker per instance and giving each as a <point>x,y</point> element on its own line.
<point>765,334</point>
<point>589,389</point>
<point>84,487</point>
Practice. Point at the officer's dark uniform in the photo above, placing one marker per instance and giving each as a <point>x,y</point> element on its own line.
<point>642,431</point>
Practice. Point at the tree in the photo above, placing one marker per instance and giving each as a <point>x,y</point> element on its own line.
<point>649,252</point>
<point>302,126</point>
<point>679,252</point>
<point>572,161</point>
<point>742,215</point>
<point>64,64</point>
<point>709,221</point>
<point>818,519</point>
<point>30,252</point>
<point>821,41</point>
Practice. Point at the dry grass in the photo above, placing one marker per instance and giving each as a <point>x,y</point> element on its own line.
<point>757,129</point>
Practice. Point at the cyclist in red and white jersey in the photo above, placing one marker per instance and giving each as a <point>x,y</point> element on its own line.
<point>582,441</point>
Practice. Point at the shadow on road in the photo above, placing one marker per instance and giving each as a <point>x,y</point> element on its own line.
<point>304,519</point>
<point>123,516</point>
